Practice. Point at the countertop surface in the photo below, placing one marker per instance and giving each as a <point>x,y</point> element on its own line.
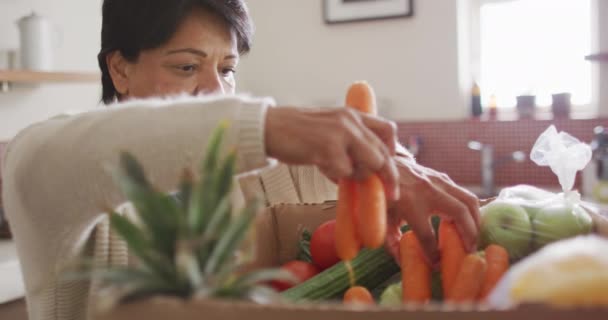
<point>11,281</point>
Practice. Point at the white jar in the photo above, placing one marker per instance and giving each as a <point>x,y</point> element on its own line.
<point>36,36</point>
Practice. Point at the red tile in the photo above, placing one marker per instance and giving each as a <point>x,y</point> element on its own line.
<point>444,147</point>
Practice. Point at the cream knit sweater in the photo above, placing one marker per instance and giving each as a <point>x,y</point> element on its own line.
<point>56,183</point>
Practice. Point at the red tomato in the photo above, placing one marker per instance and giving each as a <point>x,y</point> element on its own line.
<point>300,269</point>
<point>323,245</point>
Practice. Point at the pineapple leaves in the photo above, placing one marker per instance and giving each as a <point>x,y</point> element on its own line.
<point>140,246</point>
<point>230,240</point>
<point>204,196</point>
<point>157,211</point>
<point>190,242</point>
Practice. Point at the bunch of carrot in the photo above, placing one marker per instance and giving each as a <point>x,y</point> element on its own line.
<point>465,277</point>
<point>361,221</point>
<point>361,207</point>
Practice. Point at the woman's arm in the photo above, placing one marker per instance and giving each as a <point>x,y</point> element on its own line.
<point>58,160</point>
<point>56,174</point>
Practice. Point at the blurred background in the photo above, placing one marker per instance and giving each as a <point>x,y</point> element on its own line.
<point>471,83</point>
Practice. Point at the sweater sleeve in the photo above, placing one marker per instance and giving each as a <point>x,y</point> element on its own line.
<point>56,178</point>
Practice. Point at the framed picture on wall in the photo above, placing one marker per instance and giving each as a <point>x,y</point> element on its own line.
<point>339,11</point>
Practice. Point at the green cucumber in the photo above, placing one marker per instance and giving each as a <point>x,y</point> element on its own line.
<point>370,268</point>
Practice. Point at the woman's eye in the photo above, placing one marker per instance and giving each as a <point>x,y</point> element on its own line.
<point>228,72</point>
<point>188,68</point>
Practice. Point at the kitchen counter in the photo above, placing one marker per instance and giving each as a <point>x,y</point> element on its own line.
<point>11,280</point>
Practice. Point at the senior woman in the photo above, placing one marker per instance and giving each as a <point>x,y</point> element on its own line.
<point>153,50</point>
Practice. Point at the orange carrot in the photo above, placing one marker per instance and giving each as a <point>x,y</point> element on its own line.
<point>497,259</point>
<point>415,272</point>
<point>370,200</point>
<point>358,295</point>
<point>360,96</point>
<point>347,243</point>
<point>469,280</point>
<point>371,212</point>
<point>451,249</point>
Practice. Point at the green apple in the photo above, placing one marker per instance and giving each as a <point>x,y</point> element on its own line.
<point>560,221</point>
<point>507,225</point>
<point>532,210</point>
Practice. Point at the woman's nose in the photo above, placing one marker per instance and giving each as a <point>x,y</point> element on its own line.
<point>210,83</point>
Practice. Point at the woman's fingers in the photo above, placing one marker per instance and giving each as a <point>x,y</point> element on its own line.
<point>393,235</point>
<point>443,182</point>
<point>341,142</point>
<point>379,136</point>
<point>368,150</point>
<point>385,130</point>
<point>421,225</point>
<point>425,192</point>
<point>457,211</point>
<point>466,197</point>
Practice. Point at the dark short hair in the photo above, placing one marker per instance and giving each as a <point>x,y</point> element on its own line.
<point>130,26</point>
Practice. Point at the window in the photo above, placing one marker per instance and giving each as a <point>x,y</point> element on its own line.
<point>534,47</point>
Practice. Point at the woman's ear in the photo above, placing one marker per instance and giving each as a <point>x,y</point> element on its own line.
<point>117,66</point>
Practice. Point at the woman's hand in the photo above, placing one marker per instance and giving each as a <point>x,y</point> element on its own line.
<point>339,141</point>
<point>425,192</point>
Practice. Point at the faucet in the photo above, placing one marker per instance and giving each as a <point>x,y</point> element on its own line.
<point>489,165</point>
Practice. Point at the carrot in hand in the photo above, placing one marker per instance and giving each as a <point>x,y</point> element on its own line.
<point>358,295</point>
<point>372,212</point>
<point>361,97</point>
<point>415,271</point>
<point>369,196</point>
<point>347,243</point>
<point>497,259</point>
<point>467,286</point>
<point>452,252</point>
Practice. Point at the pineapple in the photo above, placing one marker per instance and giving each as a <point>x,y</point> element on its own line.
<point>186,243</point>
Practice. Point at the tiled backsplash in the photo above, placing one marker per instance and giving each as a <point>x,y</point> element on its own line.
<point>444,147</point>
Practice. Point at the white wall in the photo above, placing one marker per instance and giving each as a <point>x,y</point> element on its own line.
<point>80,23</point>
<point>416,65</point>
<point>412,63</point>
<point>420,66</point>
<point>603,47</point>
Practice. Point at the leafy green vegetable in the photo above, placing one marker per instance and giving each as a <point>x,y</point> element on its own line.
<point>304,247</point>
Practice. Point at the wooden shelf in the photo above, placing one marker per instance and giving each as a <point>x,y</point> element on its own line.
<point>602,57</point>
<point>23,76</point>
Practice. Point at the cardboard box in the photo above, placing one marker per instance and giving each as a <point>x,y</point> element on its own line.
<point>278,231</point>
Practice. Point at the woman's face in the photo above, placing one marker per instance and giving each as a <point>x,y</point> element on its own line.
<point>200,58</point>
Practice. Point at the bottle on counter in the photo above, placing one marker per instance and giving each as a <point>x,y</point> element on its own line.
<point>476,109</point>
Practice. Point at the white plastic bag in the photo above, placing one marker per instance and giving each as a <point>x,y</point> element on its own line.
<point>563,153</point>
